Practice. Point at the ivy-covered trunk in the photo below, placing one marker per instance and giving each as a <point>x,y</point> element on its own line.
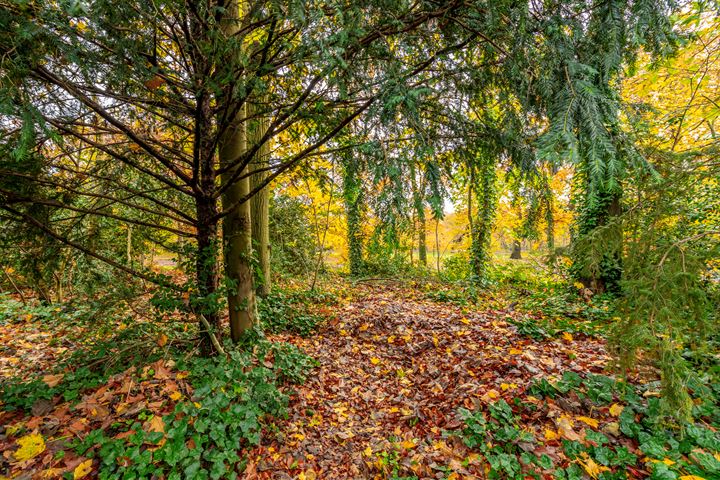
<point>481,227</point>
<point>597,252</point>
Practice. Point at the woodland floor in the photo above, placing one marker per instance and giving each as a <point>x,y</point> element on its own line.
<point>394,367</point>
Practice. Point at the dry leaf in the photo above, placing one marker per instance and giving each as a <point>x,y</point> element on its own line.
<point>616,410</point>
<point>53,380</point>
<point>588,421</point>
<point>82,469</point>
<point>30,447</point>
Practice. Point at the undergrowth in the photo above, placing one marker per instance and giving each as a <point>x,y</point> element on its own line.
<point>295,311</point>
<point>233,399</point>
<point>607,430</point>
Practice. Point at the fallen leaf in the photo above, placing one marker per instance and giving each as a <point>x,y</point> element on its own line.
<point>565,427</point>
<point>30,447</point>
<point>490,395</point>
<point>616,410</point>
<point>567,336</point>
<point>162,340</point>
<point>82,469</point>
<point>374,360</point>
<point>52,380</point>
<point>590,466</point>
<point>408,444</point>
<point>588,421</point>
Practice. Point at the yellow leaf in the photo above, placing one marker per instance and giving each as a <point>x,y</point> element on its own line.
<point>579,285</point>
<point>550,434</point>
<point>368,452</point>
<point>364,327</point>
<point>508,386</point>
<point>515,351</point>
<point>691,477</point>
<point>48,473</point>
<point>175,396</point>
<point>13,429</point>
<point>308,474</point>
<point>616,410</point>
<point>465,321</point>
<point>589,465</point>
<point>30,446</point>
<point>567,336</point>
<point>374,360</point>
<point>182,375</point>
<point>391,339</point>
<point>588,421</point>
<point>408,444</point>
<point>83,469</point>
<point>155,424</point>
<point>162,340</point>
<point>490,395</point>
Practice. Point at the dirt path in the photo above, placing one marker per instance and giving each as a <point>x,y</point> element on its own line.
<point>393,371</point>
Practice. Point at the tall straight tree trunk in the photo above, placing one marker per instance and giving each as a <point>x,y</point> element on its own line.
<point>422,238</point>
<point>237,234</point>
<point>237,237</point>
<point>259,206</point>
<point>550,229</point>
<point>422,223</point>
<point>206,266</point>
<point>481,227</point>
<point>352,194</point>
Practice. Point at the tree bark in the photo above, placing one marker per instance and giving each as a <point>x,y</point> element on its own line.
<point>482,186</point>
<point>352,193</point>
<point>237,234</point>
<point>517,250</point>
<point>206,262</point>
<point>422,238</point>
<point>260,210</point>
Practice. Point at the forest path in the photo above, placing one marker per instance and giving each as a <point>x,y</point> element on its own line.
<point>394,369</point>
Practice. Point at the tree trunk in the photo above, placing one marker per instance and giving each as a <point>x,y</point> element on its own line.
<point>207,272</point>
<point>237,234</point>
<point>481,228</point>
<point>517,250</point>
<point>206,206</point>
<point>260,208</point>
<point>422,238</point>
<point>608,272</point>
<point>437,244</point>
<point>352,193</point>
